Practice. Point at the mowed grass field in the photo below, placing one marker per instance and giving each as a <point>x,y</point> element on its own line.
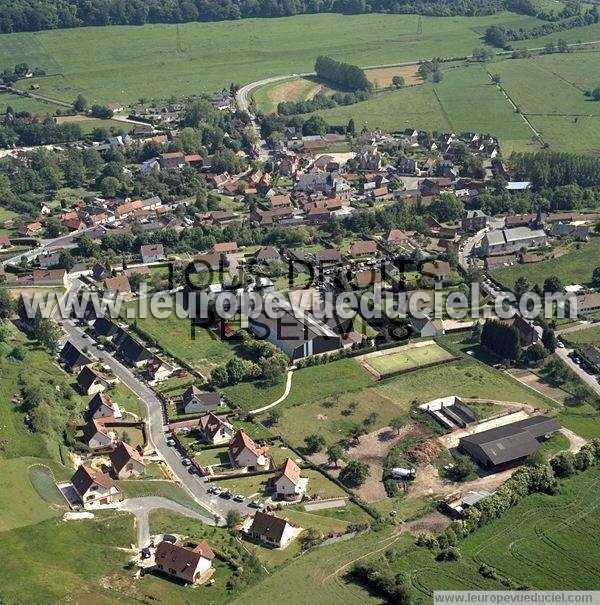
<point>117,63</point>
<point>572,268</point>
<point>408,359</point>
<point>589,336</point>
<point>332,414</point>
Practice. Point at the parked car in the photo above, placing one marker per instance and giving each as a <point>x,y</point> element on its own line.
<point>216,490</point>
<point>226,494</point>
<point>255,504</point>
<point>171,442</point>
<point>239,498</point>
<point>186,462</point>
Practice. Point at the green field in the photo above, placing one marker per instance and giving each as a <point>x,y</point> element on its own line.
<point>406,360</point>
<point>112,64</point>
<point>589,336</point>
<point>464,100</point>
<point>572,268</point>
<point>308,384</point>
<point>204,351</point>
<point>333,415</point>
<point>29,104</point>
<point>542,543</point>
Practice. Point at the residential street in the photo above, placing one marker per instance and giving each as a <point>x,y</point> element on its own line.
<point>155,422</point>
<point>589,379</point>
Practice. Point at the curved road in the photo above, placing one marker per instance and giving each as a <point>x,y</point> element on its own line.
<point>143,506</point>
<point>242,95</point>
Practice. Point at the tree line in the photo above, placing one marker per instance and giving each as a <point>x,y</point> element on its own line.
<point>553,169</point>
<point>322,101</point>
<point>35,15</point>
<point>501,37</point>
<point>349,77</point>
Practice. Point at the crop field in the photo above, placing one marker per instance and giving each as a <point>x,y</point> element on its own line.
<point>571,268</point>
<point>538,87</point>
<point>464,100</point>
<point>408,359</point>
<point>113,64</point>
<point>542,543</point>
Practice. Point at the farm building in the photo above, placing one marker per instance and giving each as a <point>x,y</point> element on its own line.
<point>510,443</point>
<point>451,412</point>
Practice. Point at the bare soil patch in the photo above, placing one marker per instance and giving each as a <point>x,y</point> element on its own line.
<point>372,449</point>
<point>541,386</point>
<point>77,118</point>
<point>300,89</point>
<point>382,76</point>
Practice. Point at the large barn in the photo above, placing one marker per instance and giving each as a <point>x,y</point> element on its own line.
<point>510,443</point>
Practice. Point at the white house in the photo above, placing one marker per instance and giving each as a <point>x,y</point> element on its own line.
<point>215,430</point>
<point>289,485</point>
<point>270,530</point>
<point>126,462</point>
<point>94,488</point>
<point>194,400</point>
<point>152,253</point>
<point>244,453</point>
<point>193,566</point>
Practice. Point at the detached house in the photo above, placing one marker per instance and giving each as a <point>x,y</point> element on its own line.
<point>115,286</point>
<point>100,406</point>
<point>267,255</point>
<point>438,270</point>
<point>152,253</point>
<point>91,382</point>
<point>363,248</point>
<point>244,453</point>
<point>97,437</point>
<point>72,358</point>
<point>270,530</point>
<point>95,488</point>
<point>49,277</point>
<point>194,400</point>
<point>215,430</point>
<point>126,462</point>
<point>289,485</point>
<point>193,566</point>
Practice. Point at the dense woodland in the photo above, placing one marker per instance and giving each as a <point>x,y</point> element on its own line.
<point>35,15</point>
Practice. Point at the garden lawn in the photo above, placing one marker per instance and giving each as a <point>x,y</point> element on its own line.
<point>581,419</point>
<point>571,268</point>
<point>411,358</point>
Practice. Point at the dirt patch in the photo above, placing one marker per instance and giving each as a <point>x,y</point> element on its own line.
<point>382,76</point>
<point>541,386</point>
<point>429,483</point>
<point>432,522</point>
<point>78,118</point>
<point>372,449</point>
<point>294,90</point>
